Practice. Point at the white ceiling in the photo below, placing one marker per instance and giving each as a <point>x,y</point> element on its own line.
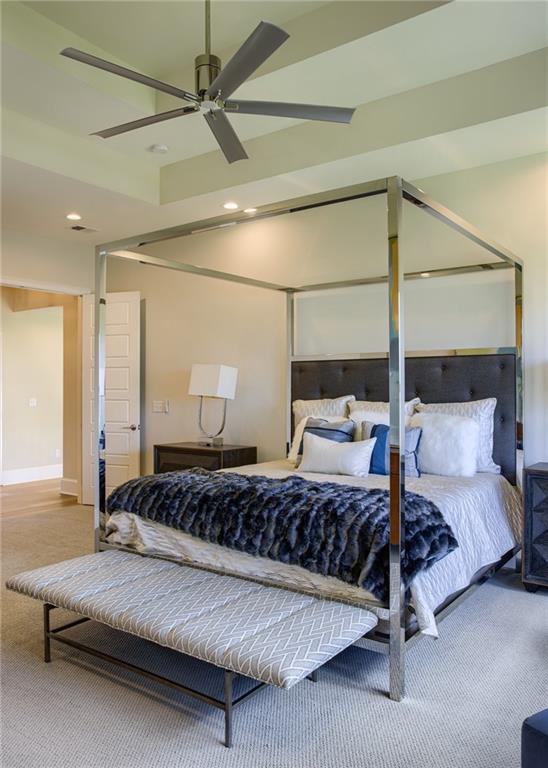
<point>392,63</point>
<point>55,97</point>
<point>37,200</point>
<point>159,37</point>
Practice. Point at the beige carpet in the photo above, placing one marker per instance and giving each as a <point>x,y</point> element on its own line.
<point>467,692</point>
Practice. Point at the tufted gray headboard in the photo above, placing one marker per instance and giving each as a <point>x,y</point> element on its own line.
<point>436,379</point>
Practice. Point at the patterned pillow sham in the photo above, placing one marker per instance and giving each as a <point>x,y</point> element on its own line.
<point>482,412</point>
<point>377,411</point>
<point>321,409</point>
<point>380,460</point>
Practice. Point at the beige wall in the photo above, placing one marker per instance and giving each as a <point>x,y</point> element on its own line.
<point>23,307</point>
<point>36,261</point>
<point>464,311</point>
<point>32,346</point>
<point>509,201</point>
<point>192,319</point>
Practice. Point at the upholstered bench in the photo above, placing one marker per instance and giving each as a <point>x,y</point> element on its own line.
<point>275,636</point>
<point>534,741</point>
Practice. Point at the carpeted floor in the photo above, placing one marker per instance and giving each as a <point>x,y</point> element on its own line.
<point>467,692</point>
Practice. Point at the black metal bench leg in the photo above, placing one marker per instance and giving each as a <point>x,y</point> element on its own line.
<point>229,679</point>
<point>313,676</point>
<point>47,641</point>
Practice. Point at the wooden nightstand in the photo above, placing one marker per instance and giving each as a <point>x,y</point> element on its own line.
<point>535,527</point>
<point>172,456</point>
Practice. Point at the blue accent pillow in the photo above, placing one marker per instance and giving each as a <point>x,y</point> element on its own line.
<point>339,431</point>
<point>380,460</point>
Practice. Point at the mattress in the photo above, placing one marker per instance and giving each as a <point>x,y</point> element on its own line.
<point>484,512</point>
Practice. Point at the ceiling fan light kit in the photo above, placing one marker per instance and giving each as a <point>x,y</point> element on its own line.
<point>215,85</point>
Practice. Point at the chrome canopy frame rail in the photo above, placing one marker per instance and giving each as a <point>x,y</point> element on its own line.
<point>397,191</point>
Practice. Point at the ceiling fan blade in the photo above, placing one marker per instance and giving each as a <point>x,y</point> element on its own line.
<point>226,136</point>
<point>283,109</point>
<point>125,127</point>
<point>116,69</point>
<point>261,44</point>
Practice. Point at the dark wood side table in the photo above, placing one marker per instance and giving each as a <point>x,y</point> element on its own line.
<point>535,527</point>
<point>173,456</point>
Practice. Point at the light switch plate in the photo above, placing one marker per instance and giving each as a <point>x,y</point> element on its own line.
<point>33,402</point>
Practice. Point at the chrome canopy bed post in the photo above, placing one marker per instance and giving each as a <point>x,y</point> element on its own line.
<point>290,329</point>
<point>397,191</point>
<point>396,380</point>
<point>99,376</point>
<point>518,296</point>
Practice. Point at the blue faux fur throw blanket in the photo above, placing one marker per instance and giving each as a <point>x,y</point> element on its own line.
<point>327,528</point>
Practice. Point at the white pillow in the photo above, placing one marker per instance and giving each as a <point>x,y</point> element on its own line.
<point>449,444</point>
<point>321,409</point>
<point>483,412</point>
<point>378,412</point>
<point>294,454</point>
<point>331,458</point>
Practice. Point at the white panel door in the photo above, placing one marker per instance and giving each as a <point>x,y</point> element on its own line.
<point>122,391</point>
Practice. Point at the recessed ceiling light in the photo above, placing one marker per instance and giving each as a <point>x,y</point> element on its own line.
<point>74,217</point>
<point>230,206</point>
<point>425,274</point>
<point>250,210</point>
<point>159,149</point>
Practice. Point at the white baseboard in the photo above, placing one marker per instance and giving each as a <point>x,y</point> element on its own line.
<point>31,474</point>
<point>70,487</point>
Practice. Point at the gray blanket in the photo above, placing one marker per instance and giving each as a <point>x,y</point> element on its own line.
<point>327,528</point>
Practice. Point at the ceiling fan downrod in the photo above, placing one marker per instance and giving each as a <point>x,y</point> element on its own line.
<point>206,66</point>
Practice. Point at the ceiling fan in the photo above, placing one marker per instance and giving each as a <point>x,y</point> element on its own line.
<point>214,87</point>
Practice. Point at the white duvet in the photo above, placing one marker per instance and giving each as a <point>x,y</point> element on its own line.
<point>484,512</point>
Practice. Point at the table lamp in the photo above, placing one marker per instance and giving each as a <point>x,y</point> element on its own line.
<point>212,381</point>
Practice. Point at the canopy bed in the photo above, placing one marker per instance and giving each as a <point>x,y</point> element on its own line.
<point>395,615</point>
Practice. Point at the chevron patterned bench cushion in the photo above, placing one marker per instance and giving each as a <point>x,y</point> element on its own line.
<point>269,634</point>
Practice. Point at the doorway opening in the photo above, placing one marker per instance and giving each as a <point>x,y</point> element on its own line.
<point>41,389</point>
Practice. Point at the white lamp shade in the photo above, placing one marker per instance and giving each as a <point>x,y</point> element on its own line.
<point>213,381</point>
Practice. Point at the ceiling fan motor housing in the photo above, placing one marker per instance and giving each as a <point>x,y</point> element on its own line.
<point>207,67</point>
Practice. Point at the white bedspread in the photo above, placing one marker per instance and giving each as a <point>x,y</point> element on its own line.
<point>484,512</point>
